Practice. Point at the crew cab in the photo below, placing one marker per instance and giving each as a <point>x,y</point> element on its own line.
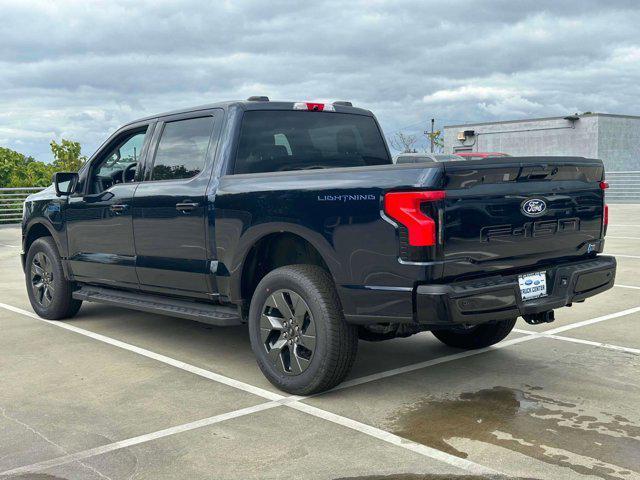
<point>292,218</point>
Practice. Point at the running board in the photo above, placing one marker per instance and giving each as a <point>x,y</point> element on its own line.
<point>213,314</point>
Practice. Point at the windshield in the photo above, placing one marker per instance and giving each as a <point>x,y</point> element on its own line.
<point>272,141</point>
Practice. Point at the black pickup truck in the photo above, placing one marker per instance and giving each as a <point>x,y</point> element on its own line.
<point>291,217</point>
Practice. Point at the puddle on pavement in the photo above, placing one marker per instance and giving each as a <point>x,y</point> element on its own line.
<point>526,421</point>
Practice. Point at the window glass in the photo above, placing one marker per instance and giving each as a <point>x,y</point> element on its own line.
<point>281,139</point>
<point>119,165</point>
<point>125,154</point>
<point>272,141</point>
<point>182,149</point>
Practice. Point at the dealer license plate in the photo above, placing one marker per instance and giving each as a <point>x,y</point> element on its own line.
<point>533,285</point>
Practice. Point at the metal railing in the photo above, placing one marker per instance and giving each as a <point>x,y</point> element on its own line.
<point>624,187</point>
<point>12,201</point>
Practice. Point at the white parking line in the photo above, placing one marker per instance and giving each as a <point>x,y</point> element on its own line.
<point>626,286</point>
<point>261,392</point>
<point>469,353</point>
<point>10,246</point>
<point>608,346</point>
<point>291,401</point>
<point>428,363</point>
<point>596,344</point>
<point>623,238</point>
<point>554,331</point>
<point>129,442</point>
<point>623,256</point>
<point>584,323</point>
<point>394,439</point>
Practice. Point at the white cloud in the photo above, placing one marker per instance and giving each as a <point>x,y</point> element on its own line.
<point>471,92</point>
<point>81,69</point>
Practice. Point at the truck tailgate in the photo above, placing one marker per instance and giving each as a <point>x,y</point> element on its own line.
<point>514,212</point>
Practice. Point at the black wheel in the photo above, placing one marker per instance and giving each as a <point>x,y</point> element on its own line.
<point>49,292</point>
<point>298,333</point>
<point>477,336</point>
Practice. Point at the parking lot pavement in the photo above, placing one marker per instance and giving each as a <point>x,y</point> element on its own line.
<point>278,443</point>
<point>609,302</point>
<point>613,332</point>
<point>628,267</point>
<point>74,393</point>
<point>557,403</point>
<point>121,394</point>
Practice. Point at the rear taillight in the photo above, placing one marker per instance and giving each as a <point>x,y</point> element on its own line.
<point>604,185</point>
<point>405,208</point>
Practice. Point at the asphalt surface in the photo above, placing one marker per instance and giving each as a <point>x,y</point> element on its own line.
<point>117,394</point>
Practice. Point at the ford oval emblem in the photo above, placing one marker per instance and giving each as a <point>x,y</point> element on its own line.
<point>534,207</point>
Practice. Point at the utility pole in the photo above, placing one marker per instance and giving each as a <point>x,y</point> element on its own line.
<point>431,136</point>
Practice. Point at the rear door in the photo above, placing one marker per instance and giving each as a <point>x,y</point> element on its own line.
<point>506,213</point>
<point>170,206</point>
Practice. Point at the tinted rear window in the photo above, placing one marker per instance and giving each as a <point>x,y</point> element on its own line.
<point>182,149</point>
<point>272,141</point>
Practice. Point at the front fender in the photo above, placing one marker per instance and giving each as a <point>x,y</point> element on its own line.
<point>45,218</point>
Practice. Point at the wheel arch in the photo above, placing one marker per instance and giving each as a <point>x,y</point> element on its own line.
<point>36,230</point>
<point>276,248</point>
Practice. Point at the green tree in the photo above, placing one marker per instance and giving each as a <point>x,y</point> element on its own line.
<point>437,139</point>
<point>37,174</point>
<point>18,170</point>
<point>10,161</point>
<point>67,156</point>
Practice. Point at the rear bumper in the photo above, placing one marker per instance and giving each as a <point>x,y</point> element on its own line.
<point>498,297</point>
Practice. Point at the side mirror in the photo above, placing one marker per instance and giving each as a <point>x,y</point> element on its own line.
<point>65,182</point>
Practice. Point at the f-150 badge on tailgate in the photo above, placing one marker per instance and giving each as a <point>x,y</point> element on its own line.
<point>534,207</point>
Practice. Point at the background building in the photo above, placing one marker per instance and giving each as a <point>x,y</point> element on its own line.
<point>613,138</point>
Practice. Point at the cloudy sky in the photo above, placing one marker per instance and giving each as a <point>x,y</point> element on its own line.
<point>80,69</point>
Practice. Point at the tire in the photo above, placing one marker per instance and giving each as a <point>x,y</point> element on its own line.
<point>288,356</point>
<point>49,291</point>
<point>478,336</point>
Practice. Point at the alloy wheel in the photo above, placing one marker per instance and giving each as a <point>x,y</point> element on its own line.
<point>42,279</point>
<point>288,331</point>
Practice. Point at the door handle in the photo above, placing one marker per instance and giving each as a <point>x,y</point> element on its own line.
<point>186,206</point>
<point>118,207</point>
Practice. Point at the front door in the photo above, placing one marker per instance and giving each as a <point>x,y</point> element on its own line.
<point>99,217</point>
<point>170,207</point>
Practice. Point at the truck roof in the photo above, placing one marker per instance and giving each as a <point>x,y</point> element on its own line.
<point>253,105</point>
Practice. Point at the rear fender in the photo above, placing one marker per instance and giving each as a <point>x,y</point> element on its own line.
<point>252,236</point>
